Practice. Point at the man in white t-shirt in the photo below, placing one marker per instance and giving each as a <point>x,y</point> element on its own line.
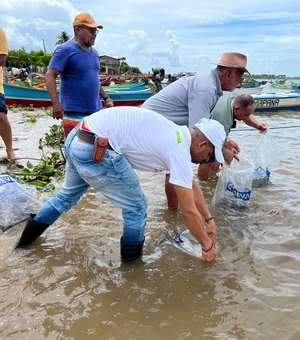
<point>136,138</point>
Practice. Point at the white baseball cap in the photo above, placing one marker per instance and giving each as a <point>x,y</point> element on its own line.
<point>215,133</point>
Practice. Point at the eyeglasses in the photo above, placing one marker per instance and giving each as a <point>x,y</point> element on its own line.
<point>90,29</point>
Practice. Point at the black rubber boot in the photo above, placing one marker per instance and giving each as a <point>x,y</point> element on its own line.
<point>33,229</point>
<point>131,251</point>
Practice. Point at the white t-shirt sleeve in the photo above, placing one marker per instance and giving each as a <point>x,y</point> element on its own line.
<point>181,170</point>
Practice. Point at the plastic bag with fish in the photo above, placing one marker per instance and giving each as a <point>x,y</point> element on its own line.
<point>265,157</point>
<point>187,243</point>
<point>234,186</point>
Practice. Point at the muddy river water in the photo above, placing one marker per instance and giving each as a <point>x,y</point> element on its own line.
<point>71,284</point>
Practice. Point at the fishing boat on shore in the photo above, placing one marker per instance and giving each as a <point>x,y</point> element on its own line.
<point>295,85</point>
<point>39,97</point>
<point>26,96</point>
<point>287,100</point>
<point>250,83</point>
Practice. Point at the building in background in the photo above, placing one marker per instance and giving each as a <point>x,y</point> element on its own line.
<point>110,65</point>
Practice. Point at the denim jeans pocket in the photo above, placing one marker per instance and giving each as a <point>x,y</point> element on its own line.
<point>123,169</point>
<point>80,151</point>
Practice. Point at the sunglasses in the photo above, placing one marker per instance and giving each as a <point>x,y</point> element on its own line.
<point>90,29</point>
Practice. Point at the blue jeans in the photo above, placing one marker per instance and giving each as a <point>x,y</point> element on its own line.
<point>113,177</point>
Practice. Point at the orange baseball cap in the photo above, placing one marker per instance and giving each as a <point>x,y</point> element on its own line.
<point>85,19</point>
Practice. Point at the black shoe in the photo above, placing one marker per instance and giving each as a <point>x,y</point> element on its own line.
<point>131,251</point>
<point>33,229</point>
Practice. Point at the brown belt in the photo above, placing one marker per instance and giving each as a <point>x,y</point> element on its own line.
<point>88,137</point>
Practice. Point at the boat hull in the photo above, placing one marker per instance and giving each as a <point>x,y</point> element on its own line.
<point>276,102</point>
<point>19,95</point>
<point>28,96</point>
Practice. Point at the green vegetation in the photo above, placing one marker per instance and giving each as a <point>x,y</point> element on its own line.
<point>22,59</point>
<point>126,69</point>
<point>40,172</point>
<point>267,76</point>
<point>63,37</point>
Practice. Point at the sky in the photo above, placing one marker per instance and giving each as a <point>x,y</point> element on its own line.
<point>178,35</point>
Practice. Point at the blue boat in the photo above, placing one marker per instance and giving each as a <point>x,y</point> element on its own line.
<point>21,95</point>
<point>288,100</point>
<point>39,97</point>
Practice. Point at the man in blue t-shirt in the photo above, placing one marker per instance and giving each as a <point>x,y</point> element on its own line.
<point>78,65</point>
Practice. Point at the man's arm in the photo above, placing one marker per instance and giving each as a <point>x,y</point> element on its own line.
<point>107,101</point>
<point>193,218</point>
<point>202,207</point>
<point>251,121</point>
<point>57,109</point>
<point>208,169</point>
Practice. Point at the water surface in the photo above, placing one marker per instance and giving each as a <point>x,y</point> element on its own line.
<point>71,284</point>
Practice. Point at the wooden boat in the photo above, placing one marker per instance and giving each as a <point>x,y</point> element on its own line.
<point>275,101</point>
<point>108,80</point>
<point>295,86</point>
<point>26,96</point>
<point>131,86</point>
<point>129,98</point>
<point>39,97</point>
<point>250,83</point>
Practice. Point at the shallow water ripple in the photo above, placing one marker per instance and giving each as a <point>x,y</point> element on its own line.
<point>71,284</point>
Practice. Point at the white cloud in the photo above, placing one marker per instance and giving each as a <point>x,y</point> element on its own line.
<point>177,35</point>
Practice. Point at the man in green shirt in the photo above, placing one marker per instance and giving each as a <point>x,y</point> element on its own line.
<point>230,108</point>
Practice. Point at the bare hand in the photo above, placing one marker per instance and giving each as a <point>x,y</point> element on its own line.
<point>209,256</point>
<point>231,144</point>
<point>57,111</point>
<point>229,154</point>
<point>263,128</point>
<point>108,103</point>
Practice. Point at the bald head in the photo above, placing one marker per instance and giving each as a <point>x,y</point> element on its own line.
<point>243,106</point>
<point>244,100</point>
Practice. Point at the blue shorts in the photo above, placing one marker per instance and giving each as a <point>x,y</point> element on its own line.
<point>3,108</point>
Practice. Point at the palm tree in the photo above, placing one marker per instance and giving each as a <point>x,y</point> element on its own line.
<point>63,37</point>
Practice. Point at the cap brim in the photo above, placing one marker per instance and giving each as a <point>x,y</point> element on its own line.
<point>219,155</point>
<point>94,25</point>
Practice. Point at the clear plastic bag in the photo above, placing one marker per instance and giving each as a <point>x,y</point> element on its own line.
<point>16,203</point>
<point>187,243</point>
<point>265,156</point>
<point>234,186</point>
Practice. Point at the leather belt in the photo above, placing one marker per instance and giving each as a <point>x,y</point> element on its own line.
<point>88,137</point>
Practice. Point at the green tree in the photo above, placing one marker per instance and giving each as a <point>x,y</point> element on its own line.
<point>135,70</point>
<point>63,37</point>
<point>126,69</point>
<point>17,58</point>
<point>22,59</point>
